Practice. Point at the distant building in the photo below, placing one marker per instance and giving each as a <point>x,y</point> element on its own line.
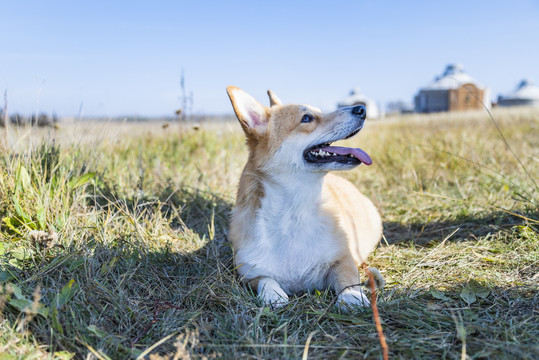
<point>453,91</point>
<point>399,107</point>
<point>526,94</point>
<point>356,98</point>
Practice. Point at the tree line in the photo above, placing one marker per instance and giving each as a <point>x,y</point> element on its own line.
<point>41,119</point>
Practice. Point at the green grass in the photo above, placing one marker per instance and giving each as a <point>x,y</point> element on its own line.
<point>116,246</point>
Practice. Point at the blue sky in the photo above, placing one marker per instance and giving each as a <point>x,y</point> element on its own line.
<point>112,58</point>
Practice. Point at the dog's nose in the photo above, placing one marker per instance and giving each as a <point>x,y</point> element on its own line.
<point>360,111</point>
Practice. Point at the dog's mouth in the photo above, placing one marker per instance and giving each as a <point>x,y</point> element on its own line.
<point>325,153</point>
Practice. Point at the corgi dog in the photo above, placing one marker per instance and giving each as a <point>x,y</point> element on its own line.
<point>295,227</point>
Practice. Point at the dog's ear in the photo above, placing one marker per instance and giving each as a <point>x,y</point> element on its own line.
<point>274,100</point>
<point>252,115</point>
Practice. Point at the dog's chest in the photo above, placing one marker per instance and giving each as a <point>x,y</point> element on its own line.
<point>294,243</point>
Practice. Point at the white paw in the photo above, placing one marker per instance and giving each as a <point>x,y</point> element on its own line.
<point>271,293</point>
<point>350,298</point>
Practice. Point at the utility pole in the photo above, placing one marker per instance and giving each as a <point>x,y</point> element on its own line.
<point>6,121</point>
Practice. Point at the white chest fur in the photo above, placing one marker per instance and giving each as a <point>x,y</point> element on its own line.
<point>292,241</point>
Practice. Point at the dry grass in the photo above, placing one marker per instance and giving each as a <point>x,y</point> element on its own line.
<point>137,263</point>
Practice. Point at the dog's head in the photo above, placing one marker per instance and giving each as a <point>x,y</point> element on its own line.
<point>298,137</point>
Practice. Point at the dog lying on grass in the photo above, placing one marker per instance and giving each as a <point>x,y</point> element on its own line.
<point>295,227</point>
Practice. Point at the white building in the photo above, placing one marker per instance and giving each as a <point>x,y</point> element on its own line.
<point>526,93</point>
<point>453,91</point>
<point>356,98</point>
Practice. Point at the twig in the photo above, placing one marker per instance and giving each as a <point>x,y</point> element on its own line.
<point>376,316</point>
<point>307,343</point>
<point>461,333</point>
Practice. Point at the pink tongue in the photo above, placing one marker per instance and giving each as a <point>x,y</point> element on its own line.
<point>357,153</point>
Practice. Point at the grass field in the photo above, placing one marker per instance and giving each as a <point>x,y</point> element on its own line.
<point>113,244</point>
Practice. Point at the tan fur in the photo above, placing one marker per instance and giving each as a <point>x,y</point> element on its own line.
<point>344,201</point>
<point>354,222</point>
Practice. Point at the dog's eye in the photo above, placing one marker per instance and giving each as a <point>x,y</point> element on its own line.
<point>307,118</point>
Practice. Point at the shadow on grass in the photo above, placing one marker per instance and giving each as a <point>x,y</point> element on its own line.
<point>202,212</point>
<point>466,227</point>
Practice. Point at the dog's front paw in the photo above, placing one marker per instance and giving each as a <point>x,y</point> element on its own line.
<point>350,298</point>
<point>271,293</point>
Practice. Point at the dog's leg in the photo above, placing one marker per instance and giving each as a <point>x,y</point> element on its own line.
<point>344,277</point>
<point>269,291</point>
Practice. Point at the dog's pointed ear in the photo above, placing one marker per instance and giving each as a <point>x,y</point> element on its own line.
<point>274,100</point>
<point>252,115</point>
